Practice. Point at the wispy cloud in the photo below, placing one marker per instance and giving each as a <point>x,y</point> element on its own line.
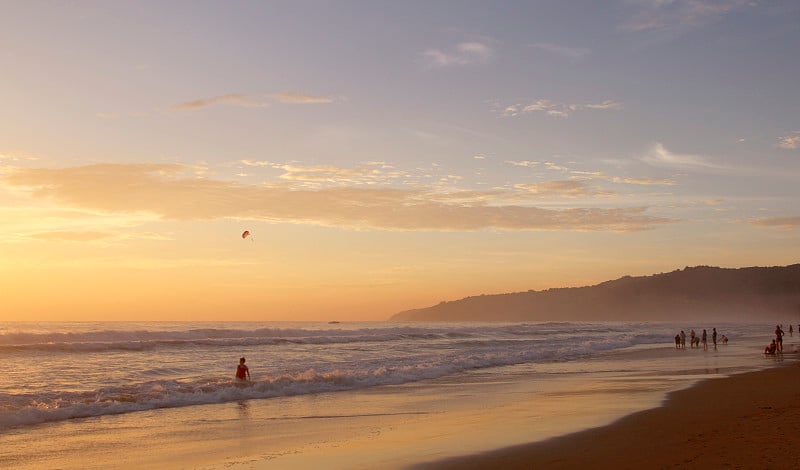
<point>16,157</point>
<point>572,53</point>
<point>555,109</point>
<point>333,174</point>
<point>233,99</point>
<point>171,192</point>
<point>676,15</point>
<point>577,175</point>
<point>790,142</point>
<point>300,98</point>
<point>568,189</point>
<point>599,175</point>
<point>371,173</point>
<point>465,53</point>
<point>658,155</point>
<point>525,163</point>
<point>251,101</point>
<point>792,222</point>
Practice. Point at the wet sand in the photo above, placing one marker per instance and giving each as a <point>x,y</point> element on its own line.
<point>745,421</point>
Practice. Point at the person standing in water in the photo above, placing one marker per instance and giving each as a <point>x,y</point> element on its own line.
<point>779,337</point>
<point>714,337</point>
<point>242,371</point>
<point>705,340</point>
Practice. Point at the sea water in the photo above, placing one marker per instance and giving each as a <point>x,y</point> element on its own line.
<point>52,372</point>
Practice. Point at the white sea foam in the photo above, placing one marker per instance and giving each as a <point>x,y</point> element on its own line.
<point>75,371</point>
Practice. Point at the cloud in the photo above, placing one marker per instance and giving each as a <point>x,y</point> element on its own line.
<point>607,104</point>
<point>658,155</point>
<point>524,163</point>
<point>234,99</point>
<point>300,98</point>
<point>332,174</point>
<point>257,163</point>
<point>572,53</point>
<point>251,101</point>
<point>678,15</point>
<point>171,192</point>
<point>644,181</point>
<point>790,142</point>
<point>465,53</point>
<point>792,222</point>
<point>599,175</point>
<point>14,157</point>
<point>372,173</point>
<point>569,189</point>
<point>554,109</point>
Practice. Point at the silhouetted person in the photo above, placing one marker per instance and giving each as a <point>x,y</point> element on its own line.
<point>683,339</point>
<point>779,337</point>
<point>714,337</point>
<point>771,348</point>
<point>705,340</point>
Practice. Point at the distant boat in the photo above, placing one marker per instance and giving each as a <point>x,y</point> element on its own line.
<point>333,322</point>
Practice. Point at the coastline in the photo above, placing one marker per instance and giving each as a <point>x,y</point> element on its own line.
<point>483,411</point>
<point>748,420</point>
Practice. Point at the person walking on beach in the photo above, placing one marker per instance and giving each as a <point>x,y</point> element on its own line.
<point>677,341</point>
<point>790,330</point>
<point>705,340</point>
<point>683,339</point>
<point>242,371</point>
<point>714,337</point>
<point>779,337</point>
<point>691,337</point>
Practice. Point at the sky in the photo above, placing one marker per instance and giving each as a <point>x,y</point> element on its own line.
<point>384,155</point>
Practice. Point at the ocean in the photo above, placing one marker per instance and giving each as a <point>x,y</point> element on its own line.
<point>76,373</point>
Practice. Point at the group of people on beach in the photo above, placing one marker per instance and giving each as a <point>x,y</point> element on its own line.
<point>695,340</point>
<point>776,346</point>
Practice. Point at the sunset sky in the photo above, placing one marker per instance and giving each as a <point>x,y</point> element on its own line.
<point>384,155</point>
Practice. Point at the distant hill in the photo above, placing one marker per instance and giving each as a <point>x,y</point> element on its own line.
<point>756,293</point>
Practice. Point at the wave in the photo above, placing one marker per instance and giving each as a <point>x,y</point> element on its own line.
<point>360,356</point>
<point>58,405</point>
<point>146,340</point>
<point>110,340</point>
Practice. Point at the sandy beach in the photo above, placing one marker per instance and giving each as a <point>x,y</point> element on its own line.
<point>746,421</point>
<point>646,405</point>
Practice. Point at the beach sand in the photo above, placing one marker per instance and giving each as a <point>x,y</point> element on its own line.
<point>746,421</point>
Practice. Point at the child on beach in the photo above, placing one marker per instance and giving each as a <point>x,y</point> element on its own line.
<point>770,350</point>
<point>242,372</point>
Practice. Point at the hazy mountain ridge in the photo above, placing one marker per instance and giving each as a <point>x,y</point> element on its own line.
<point>753,293</point>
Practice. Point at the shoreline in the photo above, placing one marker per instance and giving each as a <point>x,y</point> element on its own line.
<point>481,413</point>
<point>747,420</point>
